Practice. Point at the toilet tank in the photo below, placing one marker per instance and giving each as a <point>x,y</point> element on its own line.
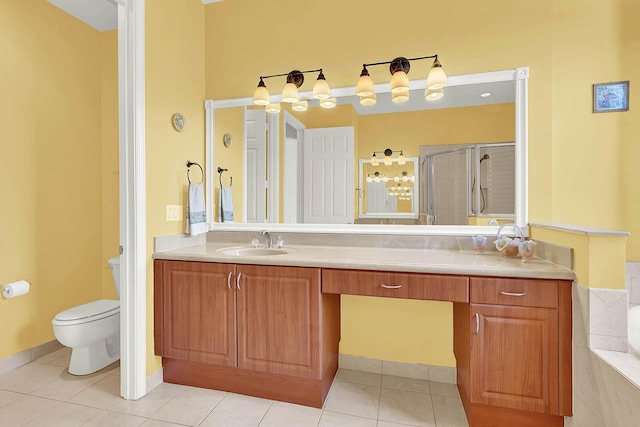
<point>114,264</point>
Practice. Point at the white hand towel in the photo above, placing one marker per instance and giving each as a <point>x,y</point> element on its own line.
<point>196,211</point>
<point>225,204</point>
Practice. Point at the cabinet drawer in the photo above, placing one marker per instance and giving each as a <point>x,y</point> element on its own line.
<point>396,285</point>
<point>518,292</point>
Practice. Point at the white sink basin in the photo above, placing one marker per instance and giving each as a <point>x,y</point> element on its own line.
<point>244,251</point>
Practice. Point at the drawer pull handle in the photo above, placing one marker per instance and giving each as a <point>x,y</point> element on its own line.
<point>238,281</point>
<point>513,294</point>
<point>477,323</point>
<point>229,280</point>
<point>390,286</point>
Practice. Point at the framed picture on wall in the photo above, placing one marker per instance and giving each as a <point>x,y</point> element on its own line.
<point>609,97</point>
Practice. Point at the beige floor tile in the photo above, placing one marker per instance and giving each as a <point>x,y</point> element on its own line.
<point>7,397</point>
<point>290,415</point>
<point>111,419</point>
<point>67,386</point>
<point>148,404</point>
<point>408,384</point>
<point>64,415</point>
<point>62,361</point>
<point>101,394</point>
<point>333,419</point>
<point>237,410</point>
<point>157,423</point>
<point>390,424</point>
<point>33,378</point>
<point>25,409</point>
<point>444,389</point>
<point>190,406</point>
<point>358,377</point>
<point>406,407</point>
<point>353,399</point>
<point>449,411</point>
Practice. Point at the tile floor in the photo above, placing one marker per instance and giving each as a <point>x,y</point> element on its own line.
<point>43,393</point>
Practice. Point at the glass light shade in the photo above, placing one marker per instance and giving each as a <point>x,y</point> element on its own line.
<point>399,97</point>
<point>369,179</point>
<point>433,94</point>
<point>261,96</point>
<point>399,82</point>
<point>401,159</point>
<point>388,161</point>
<point>273,108</point>
<point>374,160</point>
<point>328,103</point>
<point>405,178</point>
<point>396,179</point>
<point>321,89</point>
<point>368,100</point>
<point>437,77</point>
<point>290,93</point>
<point>365,86</point>
<point>299,106</point>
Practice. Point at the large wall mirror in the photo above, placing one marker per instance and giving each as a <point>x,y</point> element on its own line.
<point>452,166</point>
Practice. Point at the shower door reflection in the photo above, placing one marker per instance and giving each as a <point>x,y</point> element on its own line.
<point>447,187</point>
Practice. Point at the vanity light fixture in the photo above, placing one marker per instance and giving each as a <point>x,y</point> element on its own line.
<point>273,108</point>
<point>433,94</point>
<point>295,79</point>
<point>388,160</point>
<point>368,99</point>
<point>328,103</point>
<point>399,69</point>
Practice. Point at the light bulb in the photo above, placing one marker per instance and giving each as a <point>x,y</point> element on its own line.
<point>365,84</point>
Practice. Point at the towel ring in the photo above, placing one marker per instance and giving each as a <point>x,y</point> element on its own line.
<point>220,171</point>
<point>189,164</point>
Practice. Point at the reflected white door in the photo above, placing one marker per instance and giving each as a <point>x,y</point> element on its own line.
<point>255,131</point>
<point>328,175</point>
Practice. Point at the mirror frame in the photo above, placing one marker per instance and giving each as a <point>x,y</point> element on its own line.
<point>415,205</point>
<point>518,75</point>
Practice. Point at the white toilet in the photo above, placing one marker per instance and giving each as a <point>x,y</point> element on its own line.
<point>92,330</point>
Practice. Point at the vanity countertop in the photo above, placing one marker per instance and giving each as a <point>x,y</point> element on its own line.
<point>435,261</point>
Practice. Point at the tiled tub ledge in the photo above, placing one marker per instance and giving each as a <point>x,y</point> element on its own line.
<point>626,364</point>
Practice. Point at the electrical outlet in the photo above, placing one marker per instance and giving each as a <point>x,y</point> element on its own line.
<point>174,213</point>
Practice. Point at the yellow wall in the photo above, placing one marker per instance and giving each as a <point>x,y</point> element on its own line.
<point>50,167</point>
<point>109,157</point>
<point>174,83</point>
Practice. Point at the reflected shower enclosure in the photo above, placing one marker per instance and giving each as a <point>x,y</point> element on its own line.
<point>463,184</point>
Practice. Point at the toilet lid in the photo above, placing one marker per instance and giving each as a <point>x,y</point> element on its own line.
<point>102,308</point>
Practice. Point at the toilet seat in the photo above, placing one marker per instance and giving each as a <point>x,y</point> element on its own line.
<point>89,312</point>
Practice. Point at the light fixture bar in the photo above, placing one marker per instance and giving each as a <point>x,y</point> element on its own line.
<point>410,59</point>
<point>286,74</point>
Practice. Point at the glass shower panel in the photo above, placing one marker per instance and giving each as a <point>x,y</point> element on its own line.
<point>447,187</point>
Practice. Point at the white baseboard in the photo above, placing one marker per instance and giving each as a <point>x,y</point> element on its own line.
<point>154,380</point>
<point>442,374</point>
<point>28,355</point>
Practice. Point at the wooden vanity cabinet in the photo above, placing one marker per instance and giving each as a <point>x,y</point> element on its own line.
<point>513,352</point>
<point>258,330</point>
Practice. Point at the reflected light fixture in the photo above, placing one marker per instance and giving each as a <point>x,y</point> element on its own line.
<point>300,106</point>
<point>290,93</point>
<point>273,108</point>
<point>328,103</point>
<point>433,94</point>
<point>368,99</point>
<point>399,68</point>
<point>388,160</point>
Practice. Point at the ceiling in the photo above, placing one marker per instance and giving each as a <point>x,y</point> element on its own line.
<point>100,14</point>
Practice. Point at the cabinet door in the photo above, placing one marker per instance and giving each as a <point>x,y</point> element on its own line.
<point>279,320</point>
<point>514,357</point>
<point>198,311</point>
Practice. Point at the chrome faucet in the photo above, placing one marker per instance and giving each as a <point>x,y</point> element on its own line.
<point>267,238</point>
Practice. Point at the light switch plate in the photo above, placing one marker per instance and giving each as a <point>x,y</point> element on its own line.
<point>174,213</point>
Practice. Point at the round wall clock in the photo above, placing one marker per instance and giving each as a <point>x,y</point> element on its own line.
<point>179,122</point>
<point>226,139</point>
